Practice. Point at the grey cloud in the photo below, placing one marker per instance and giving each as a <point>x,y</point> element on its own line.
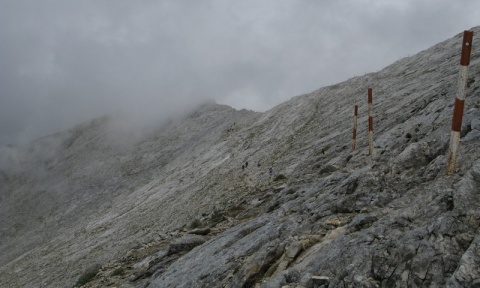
<point>65,62</point>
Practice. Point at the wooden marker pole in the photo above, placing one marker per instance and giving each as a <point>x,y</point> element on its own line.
<point>370,123</point>
<point>355,115</point>
<point>459,102</point>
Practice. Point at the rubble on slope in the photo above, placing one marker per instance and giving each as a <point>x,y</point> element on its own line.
<point>337,218</point>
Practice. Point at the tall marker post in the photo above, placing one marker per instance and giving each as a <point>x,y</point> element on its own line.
<point>355,115</point>
<point>459,102</point>
<point>370,123</point>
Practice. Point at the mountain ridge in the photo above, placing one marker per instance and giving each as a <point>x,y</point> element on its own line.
<point>150,192</point>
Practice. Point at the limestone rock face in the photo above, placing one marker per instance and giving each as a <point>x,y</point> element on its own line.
<point>415,155</point>
<point>172,207</point>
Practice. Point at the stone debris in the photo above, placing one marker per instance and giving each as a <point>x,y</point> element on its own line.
<point>173,209</point>
<point>185,243</point>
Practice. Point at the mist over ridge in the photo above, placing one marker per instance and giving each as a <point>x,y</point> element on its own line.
<point>226,197</point>
<point>62,64</point>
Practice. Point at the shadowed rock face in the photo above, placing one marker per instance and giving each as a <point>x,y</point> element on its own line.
<point>174,208</point>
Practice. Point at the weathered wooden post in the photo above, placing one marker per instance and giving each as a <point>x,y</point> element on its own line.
<point>355,115</point>
<point>370,123</point>
<point>459,102</point>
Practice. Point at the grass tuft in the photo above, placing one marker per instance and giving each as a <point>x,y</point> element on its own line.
<point>279,177</point>
<point>88,275</point>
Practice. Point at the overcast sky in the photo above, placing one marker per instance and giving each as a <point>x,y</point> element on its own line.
<point>63,62</point>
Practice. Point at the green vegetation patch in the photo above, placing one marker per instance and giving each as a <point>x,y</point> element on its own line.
<point>217,216</point>
<point>279,177</point>
<point>195,224</point>
<point>235,210</point>
<point>88,275</point>
<point>324,149</point>
<point>290,191</point>
<point>118,272</point>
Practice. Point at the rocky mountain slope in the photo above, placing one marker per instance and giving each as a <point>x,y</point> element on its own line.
<point>102,206</point>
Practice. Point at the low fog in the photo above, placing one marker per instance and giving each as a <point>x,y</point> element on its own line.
<point>64,62</point>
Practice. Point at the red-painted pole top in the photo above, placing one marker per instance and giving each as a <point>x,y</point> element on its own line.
<point>466,48</point>
<point>370,95</point>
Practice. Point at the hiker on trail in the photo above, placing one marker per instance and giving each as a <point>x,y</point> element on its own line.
<point>246,164</point>
<point>270,170</point>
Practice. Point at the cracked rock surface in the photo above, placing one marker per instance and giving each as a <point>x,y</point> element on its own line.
<point>100,206</point>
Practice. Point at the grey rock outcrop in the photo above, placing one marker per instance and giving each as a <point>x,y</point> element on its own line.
<point>338,218</point>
